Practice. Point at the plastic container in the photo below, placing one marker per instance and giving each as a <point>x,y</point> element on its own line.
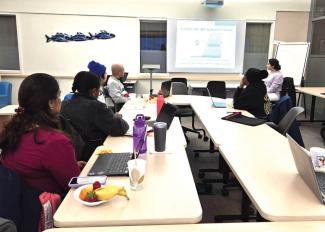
<point>140,134</point>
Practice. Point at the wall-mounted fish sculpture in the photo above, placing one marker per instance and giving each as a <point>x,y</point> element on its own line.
<point>102,35</point>
<point>62,37</point>
<point>79,37</point>
<point>58,37</point>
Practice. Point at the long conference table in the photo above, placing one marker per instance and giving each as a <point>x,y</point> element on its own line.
<point>259,157</point>
<point>316,226</point>
<point>314,92</point>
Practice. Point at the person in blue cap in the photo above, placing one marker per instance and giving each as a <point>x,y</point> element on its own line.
<point>100,71</point>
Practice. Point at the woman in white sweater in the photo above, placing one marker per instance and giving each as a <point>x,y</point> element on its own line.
<point>274,81</point>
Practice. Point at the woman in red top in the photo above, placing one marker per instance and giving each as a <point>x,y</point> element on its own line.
<point>32,143</point>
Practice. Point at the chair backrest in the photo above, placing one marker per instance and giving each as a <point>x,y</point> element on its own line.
<point>179,79</point>
<point>288,89</point>
<point>217,89</point>
<point>165,88</point>
<point>68,96</point>
<point>18,201</point>
<point>289,118</point>
<point>109,100</point>
<point>5,93</point>
<point>179,88</point>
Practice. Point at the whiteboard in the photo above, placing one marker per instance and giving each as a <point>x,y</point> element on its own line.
<point>292,58</point>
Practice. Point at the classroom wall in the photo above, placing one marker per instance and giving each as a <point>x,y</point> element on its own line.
<point>35,17</point>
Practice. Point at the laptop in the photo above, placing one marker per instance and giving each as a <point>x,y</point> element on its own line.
<point>218,103</point>
<point>114,164</point>
<point>305,167</point>
<point>166,114</point>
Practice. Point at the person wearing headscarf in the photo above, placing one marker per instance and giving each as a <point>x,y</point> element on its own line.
<point>251,94</point>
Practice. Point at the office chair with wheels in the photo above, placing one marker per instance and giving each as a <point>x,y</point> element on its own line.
<point>216,89</point>
<point>284,125</point>
<point>165,88</point>
<point>279,112</point>
<point>179,88</point>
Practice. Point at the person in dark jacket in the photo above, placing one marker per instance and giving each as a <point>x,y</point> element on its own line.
<point>91,118</point>
<point>254,97</point>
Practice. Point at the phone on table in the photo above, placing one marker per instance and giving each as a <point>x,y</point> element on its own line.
<point>83,180</point>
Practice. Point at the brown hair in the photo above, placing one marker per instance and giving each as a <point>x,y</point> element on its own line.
<point>33,113</point>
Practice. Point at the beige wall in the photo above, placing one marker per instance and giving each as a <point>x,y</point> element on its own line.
<point>291,26</point>
<point>33,18</point>
<point>232,9</point>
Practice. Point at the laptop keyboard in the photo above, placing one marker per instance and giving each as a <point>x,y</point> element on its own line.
<point>113,164</point>
<point>320,176</point>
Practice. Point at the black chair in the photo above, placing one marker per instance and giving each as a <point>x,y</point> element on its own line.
<point>216,89</point>
<point>288,89</point>
<point>179,88</point>
<point>284,125</point>
<point>165,88</point>
<point>179,79</point>
<point>115,107</point>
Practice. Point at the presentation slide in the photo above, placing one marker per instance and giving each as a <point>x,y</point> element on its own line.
<point>205,46</point>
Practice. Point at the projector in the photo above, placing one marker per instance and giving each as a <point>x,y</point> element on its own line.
<point>213,3</point>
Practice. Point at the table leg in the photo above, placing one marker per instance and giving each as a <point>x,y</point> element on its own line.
<point>312,109</point>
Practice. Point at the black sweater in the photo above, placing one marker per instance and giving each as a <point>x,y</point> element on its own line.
<point>92,119</point>
<point>253,99</point>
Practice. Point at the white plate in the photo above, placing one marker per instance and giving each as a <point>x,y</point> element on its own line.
<point>77,193</point>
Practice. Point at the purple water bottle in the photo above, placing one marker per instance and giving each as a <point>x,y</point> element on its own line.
<point>139,134</point>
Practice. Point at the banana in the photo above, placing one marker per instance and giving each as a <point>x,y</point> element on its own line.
<point>108,192</point>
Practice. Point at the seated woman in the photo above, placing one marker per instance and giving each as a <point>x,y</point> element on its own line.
<point>91,118</point>
<point>274,81</point>
<point>253,98</point>
<point>32,143</point>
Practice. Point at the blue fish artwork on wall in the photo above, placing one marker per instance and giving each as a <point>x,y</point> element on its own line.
<point>102,35</point>
<point>63,37</point>
<point>58,37</point>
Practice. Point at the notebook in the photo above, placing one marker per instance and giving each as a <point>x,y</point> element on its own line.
<point>242,119</point>
<point>218,103</point>
<point>305,167</point>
